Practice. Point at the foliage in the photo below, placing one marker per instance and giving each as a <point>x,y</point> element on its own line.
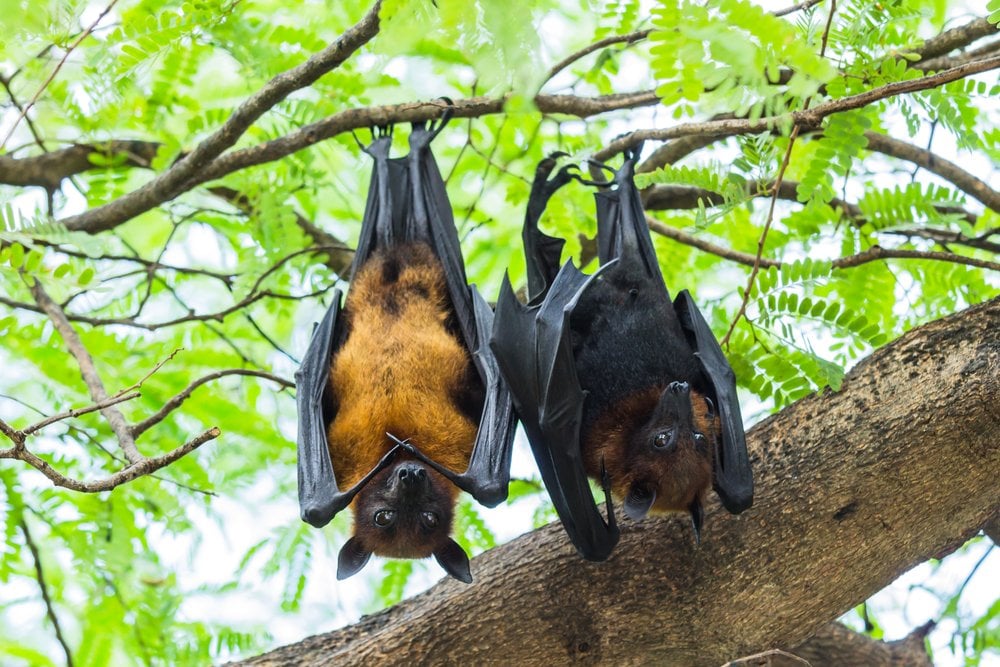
<point>137,575</point>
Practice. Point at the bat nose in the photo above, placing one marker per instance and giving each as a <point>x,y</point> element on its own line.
<point>411,474</point>
<point>679,387</point>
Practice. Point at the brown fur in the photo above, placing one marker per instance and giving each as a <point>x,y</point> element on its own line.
<point>679,477</point>
<point>399,371</point>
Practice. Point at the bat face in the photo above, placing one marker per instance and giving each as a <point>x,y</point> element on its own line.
<point>406,511</point>
<point>656,447</point>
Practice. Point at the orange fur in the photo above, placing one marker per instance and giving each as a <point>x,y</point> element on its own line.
<point>399,368</point>
<point>679,477</point>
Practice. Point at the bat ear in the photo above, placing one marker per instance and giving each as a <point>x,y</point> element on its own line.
<point>638,502</point>
<point>454,561</point>
<point>353,556</point>
<point>697,518</point>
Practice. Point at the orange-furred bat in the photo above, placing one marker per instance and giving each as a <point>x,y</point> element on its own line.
<point>400,400</point>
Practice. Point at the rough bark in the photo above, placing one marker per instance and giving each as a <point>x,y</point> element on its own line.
<point>853,488</point>
<point>835,645</point>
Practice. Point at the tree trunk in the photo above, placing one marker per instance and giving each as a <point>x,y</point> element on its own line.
<point>853,488</point>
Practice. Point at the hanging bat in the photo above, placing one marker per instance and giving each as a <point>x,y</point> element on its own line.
<point>613,380</point>
<point>400,400</point>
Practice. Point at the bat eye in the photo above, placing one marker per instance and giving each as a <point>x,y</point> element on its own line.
<point>700,438</point>
<point>430,519</point>
<point>384,518</point>
<point>661,440</point>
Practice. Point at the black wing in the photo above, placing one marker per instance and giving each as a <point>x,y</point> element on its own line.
<point>533,345</point>
<point>320,497</point>
<point>407,201</point>
<point>731,476</point>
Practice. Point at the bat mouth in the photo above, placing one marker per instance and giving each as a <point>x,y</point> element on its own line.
<point>639,501</point>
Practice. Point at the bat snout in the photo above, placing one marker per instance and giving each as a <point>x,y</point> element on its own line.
<point>679,388</point>
<point>411,475</point>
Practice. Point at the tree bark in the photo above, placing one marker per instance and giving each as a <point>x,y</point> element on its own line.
<point>835,645</point>
<point>853,488</point>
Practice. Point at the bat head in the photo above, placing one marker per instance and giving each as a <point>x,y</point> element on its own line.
<point>667,465</point>
<point>406,511</point>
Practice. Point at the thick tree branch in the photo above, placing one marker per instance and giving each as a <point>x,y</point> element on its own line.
<point>835,644</point>
<point>827,529</point>
<point>48,170</point>
<point>809,119</point>
<point>173,181</point>
<point>935,164</point>
<point>956,38</point>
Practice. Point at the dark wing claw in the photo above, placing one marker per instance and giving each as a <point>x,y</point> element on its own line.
<point>732,476</point>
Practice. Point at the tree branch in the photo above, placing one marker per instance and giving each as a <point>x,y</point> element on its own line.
<point>173,181</point>
<point>88,370</point>
<point>176,401</point>
<point>872,254</point>
<point>120,397</point>
<point>835,644</point>
<point>908,422</point>
<point>956,38</point>
<point>50,609</point>
<point>809,119</point>
<point>133,471</point>
<point>937,165</point>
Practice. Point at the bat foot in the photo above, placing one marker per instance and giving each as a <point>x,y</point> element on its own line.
<point>697,519</point>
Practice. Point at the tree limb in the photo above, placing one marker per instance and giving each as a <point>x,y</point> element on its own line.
<point>88,370</point>
<point>177,400</point>
<point>935,164</point>
<point>135,470</point>
<point>174,180</point>
<point>50,609</point>
<point>808,119</point>
<point>853,488</point>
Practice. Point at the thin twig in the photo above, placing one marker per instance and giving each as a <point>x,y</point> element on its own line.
<point>62,61</point>
<point>176,401</point>
<point>50,609</point>
<point>796,7</point>
<point>878,252</point>
<point>630,38</point>
<point>774,196</point>
<point>76,412</point>
<point>130,322</point>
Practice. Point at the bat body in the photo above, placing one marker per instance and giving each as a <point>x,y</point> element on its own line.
<point>614,380</point>
<point>400,400</point>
